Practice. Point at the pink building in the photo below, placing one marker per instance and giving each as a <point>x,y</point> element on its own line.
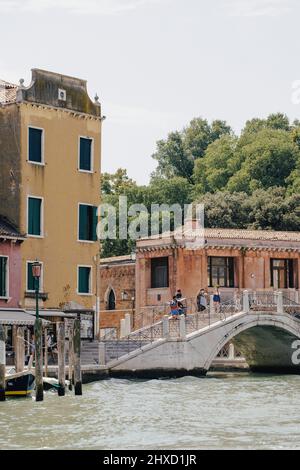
<point>10,265</point>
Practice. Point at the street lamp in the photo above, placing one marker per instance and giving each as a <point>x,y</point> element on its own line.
<point>36,273</point>
<point>39,390</point>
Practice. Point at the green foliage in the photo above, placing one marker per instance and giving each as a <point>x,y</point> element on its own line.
<point>266,160</point>
<point>251,181</point>
<point>172,158</point>
<point>212,172</point>
<point>265,209</point>
<point>177,154</point>
<point>272,210</point>
<point>225,210</point>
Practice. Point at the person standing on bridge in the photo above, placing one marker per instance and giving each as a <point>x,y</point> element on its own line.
<point>201,301</point>
<point>217,299</point>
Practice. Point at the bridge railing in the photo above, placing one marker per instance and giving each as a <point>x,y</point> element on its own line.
<point>152,314</point>
<point>263,300</point>
<point>291,307</point>
<point>178,327</point>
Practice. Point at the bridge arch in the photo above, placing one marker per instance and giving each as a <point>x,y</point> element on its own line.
<point>265,341</point>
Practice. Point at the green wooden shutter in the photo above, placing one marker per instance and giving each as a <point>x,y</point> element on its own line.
<point>3,272</point>
<point>35,145</point>
<point>34,216</point>
<point>85,157</point>
<point>84,280</point>
<point>30,278</point>
<point>94,224</point>
<point>83,222</point>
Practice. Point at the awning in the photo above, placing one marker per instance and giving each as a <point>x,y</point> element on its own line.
<point>44,313</point>
<point>17,317</point>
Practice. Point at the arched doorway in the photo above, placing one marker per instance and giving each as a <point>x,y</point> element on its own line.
<point>111,301</point>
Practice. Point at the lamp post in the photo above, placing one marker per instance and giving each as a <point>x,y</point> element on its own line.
<point>39,389</point>
<point>36,273</point>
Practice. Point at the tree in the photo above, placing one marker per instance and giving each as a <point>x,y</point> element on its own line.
<point>116,183</point>
<point>172,158</point>
<point>266,160</point>
<point>176,155</point>
<point>272,210</point>
<point>251,181</point>
<point>213,172</point>
<point>225,210</point>
<point>176,190</point>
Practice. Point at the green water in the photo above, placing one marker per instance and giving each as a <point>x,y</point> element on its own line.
<point>220,411</point>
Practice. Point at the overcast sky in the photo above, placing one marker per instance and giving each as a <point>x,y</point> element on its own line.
<point>156,64</point>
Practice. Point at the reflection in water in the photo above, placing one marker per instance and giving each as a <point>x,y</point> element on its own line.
<point>221,411</point>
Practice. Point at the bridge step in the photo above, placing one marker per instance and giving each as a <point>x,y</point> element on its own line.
<point>113,350</point>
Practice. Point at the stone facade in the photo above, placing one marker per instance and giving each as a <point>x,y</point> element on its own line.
<point>249,255</point>
<point>10,251</point>
<point>60,108</point>
<point>117,291</point>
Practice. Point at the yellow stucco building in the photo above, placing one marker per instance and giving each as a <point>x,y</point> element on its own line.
<point>50,155</point>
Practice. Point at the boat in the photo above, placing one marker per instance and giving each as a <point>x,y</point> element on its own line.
<point>50,383</point>
<point>19,384</point>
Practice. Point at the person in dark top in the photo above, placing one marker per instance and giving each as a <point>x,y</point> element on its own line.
<point>217,299</point>
<point>178,294</point>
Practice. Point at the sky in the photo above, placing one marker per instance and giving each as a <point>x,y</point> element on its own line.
<point>157,64</point>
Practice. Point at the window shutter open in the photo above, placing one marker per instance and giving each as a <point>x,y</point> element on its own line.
<point>35,145</point>
<point>87,222</point>
<point>3,271</point>
<point>85,160</point>
<point>95,221</point>
<point>84,280</point>
<point>34,216</point>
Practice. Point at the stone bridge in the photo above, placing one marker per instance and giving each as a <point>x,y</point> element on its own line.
<point>265,329</point>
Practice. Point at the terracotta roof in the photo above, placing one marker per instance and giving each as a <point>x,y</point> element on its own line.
<point>8,230</point>
<point>125,259</point>
<point>223,234</point>
<point>8,92</point>
<point>251,234</point>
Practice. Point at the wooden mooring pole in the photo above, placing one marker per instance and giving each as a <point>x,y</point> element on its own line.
<point>38,339</point>
<point>2,364</point>
<point>46,352</point>
<point>70,355</point>
<point>19,349</point>
<point>61,358</point>
<point>76,356</point>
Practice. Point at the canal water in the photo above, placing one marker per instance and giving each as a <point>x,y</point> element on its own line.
<point>220,411</point>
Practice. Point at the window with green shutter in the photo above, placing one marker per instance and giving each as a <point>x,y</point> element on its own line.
<point>30,279</point>
<point>87,223</point>
<point>34,216</point>
<point>3,276</point>
<point>85,154</point>
<point>84,275</point>
<point>35,149</point>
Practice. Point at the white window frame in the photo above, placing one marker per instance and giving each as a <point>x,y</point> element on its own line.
<point>41,287</point>
<point>5,297</point>
<point>42,216</point>
<point>78,218</point>
<point>42,163</point>
<point>92,154</point>
<point>90,293</point>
